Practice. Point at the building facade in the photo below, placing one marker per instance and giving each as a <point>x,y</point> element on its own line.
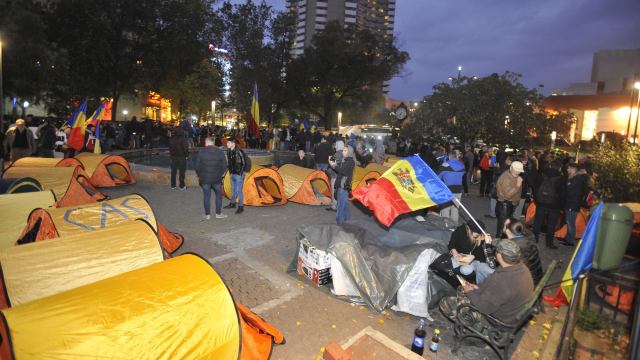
<point>312,16</point>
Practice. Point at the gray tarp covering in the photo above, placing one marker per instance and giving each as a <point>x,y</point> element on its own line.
<point>378,261</point>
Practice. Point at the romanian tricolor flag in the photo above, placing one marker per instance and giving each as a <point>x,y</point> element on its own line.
<point>97,115</point>
<point>77,122</point>
<point>254,116</point>
<point>581,261</point>
<point>409,185</point>
<point>97,149</point>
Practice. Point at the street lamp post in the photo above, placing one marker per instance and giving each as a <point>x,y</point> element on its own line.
<point>553,139</point>
<point>635,131</point>
<point>213,112</point>
<point>125,112</point>
<point>339,120</point>
<point>636,86</point>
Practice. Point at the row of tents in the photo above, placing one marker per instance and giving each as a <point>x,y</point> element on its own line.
<point>86,276</point>
<point>270,186</point>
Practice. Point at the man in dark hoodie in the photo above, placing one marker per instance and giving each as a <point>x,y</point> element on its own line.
<point>548,195</point>
<point>578,186</point>
<point>179,152</point>
<point>342,185</point>
<point>211,165</point>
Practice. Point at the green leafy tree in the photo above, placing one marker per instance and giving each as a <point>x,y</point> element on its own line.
<point>497,109</point>
<point>199,87</point>
<point>342,66</point>
<point>617,172</point>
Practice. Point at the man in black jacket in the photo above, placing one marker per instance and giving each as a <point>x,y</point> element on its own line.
<point>211,165</point>
<point>578,185</point>
<point>549,199</point>
<point>237,163</point>
<point>342,186</point>
<point>47,139</point>
<point>179,152</point>
<point>323,151</point>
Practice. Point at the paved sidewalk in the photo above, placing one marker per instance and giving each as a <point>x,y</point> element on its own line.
<point>252,252</point>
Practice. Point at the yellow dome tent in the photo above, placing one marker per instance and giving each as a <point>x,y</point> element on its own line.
<point>46,162</point>
<point>15,210</point>
<point>262,187</point>
<point>305,186</point>
<point>37,270</point>
<point>176,309</point>
<point>107,170</point>
<point>71,185</point>
<point>52,223</point>
<point>365,176</point>
<point>18,186</point>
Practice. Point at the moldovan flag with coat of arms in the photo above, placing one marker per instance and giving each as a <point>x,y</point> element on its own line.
<point>409,185</point>
<point>77,123</point>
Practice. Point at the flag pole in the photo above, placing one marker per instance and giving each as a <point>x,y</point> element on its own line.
<point>460,206</point>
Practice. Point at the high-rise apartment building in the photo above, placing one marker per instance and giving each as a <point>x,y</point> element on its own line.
<point>313,15</point>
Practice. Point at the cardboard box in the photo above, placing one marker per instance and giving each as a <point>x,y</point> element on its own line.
<point>314,264</point>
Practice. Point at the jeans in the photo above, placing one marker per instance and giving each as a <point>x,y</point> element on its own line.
<point>504,210</point>
<point>178,163</point>
<point>206,192</point>
<point>343,211</point>
<point>518,213</point>
<point>482,269</point>
<point>571,217</point>
<point>236,188</point>
<point>548,216</point>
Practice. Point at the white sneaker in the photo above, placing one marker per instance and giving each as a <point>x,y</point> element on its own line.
<point>183,188</point>
<point>206,217</point>
<point>221,216</point>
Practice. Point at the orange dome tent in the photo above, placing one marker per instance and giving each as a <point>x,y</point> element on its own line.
<point>561,230</point>
<point>71,185</point>
<point>52,223</point>
<point>305,186</point>
<point>15,210</point>
<point>34,271</point>
<point>107,170</point>
<point>262,187</point>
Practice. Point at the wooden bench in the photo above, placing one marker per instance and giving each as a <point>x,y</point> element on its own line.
<point>472,323</point>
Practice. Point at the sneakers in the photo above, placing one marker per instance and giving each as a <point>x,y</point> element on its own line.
<point>230,206</point>
<point>240,210</point>
<point>173,188</point>
<point>206,217</point>
<point>221,216</point>
<point>183,188</point>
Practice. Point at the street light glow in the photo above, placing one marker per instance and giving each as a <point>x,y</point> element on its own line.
<point>459,68</point>
<point>25,104</point>
<point>125,112</point>
<point>636,85</point>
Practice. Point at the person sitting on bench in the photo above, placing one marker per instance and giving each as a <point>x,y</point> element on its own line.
<point>504,293</point>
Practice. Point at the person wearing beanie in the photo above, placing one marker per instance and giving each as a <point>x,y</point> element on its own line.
<point>508,190</point>
<point>503,294</point>
<point>342,186</point>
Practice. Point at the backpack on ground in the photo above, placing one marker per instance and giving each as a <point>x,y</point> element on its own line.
<point>547,193</point>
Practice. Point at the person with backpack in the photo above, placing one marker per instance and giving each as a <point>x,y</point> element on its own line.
<point>239,163</point>
<point>548,197</point>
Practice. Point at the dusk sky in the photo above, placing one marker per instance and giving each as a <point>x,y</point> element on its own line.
<point>549,42</point>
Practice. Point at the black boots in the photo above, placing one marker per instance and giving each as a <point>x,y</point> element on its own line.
<point>240,210</point>
<point>230,206</point>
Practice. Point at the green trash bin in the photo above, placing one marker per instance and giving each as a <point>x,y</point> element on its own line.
<point>614,232</point>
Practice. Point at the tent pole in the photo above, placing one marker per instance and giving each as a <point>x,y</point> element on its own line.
<point>459,204</point>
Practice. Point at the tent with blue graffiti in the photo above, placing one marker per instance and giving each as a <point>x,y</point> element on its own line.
<point>51,223</point>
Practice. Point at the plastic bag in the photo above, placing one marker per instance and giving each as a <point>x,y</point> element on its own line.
<point>414,297</point>
<point>342,284</point>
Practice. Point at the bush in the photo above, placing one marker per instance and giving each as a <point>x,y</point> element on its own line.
<point>618,172</point>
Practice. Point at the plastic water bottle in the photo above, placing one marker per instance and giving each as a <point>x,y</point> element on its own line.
<point>418,338</point>
<point>435,341</point>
